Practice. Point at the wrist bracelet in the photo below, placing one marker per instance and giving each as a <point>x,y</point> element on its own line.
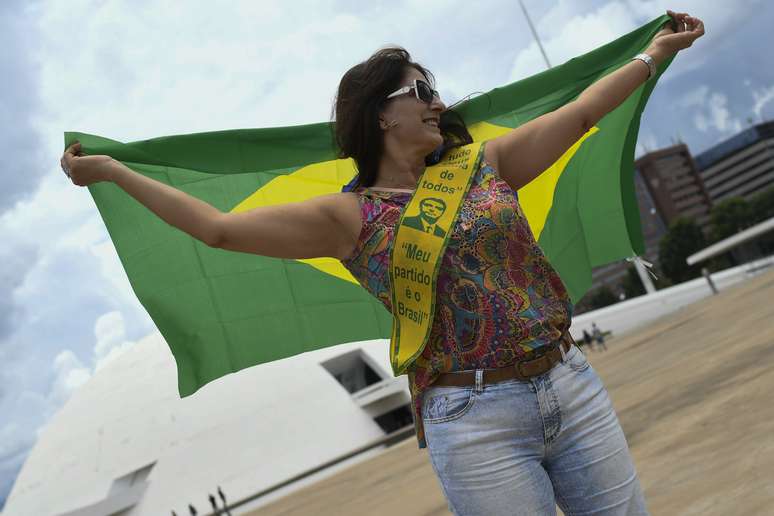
<point>645,58</point>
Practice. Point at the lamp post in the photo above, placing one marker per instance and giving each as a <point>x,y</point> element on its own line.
<point>534,34</point>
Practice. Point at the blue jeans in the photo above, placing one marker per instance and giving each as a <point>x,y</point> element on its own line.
<point>518,447</point>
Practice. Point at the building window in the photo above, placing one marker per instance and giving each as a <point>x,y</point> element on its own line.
<point>395,419</point>
<point>353,371</point>
<point>124,493</point>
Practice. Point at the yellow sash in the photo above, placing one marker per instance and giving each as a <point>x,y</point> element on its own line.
<point>420,241</point>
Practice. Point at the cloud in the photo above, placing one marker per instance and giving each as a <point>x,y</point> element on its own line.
<point>720,115</point>
<point>695,98</point>
<point>17,261</point>
<point>565,34</point>
<point>568,29</point>
<point>710,110</point>
<point>110,331</point>
<point>20,155</point>
<point>32,410</point>
<point>66,308</point>
<point>15,442</point>
<point>762,97</point>
<point>70,374</point>
<point>17,435</point>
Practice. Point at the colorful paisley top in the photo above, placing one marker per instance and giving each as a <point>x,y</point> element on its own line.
<point>497,296</point>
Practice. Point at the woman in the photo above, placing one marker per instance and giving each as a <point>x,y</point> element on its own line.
<point>514,418</point>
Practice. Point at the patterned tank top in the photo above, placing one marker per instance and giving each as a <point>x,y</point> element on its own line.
<point>497,297</point>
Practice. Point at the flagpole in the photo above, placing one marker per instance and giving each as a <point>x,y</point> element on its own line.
<point>534,33</point>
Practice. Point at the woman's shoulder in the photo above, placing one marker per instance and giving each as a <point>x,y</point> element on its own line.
<point>489,156</point>
<point>344,207</point>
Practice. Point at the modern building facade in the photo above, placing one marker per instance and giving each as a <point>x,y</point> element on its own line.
<point>670,183</point>
<point>672,178</point>
<point>127,444</point>
<point>739,166</point>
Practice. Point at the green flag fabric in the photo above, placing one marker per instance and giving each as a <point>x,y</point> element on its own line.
<point>223,311</point>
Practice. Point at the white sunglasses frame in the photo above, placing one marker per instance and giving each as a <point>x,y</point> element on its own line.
<point>407,89</point>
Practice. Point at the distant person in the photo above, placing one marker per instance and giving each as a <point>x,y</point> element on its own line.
<point>587,340</point>
<point>500,341</point>
<point>598,336</point>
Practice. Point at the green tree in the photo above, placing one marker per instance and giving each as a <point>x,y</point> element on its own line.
<point>632,284</point>
<point>762,205</point>
<point>597,298</point>
<point>762,208</point>
<point>602,296</point>
<point>729,217</point>
<point>681,240</point>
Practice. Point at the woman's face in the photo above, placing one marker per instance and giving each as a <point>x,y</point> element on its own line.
<point>417,121</point>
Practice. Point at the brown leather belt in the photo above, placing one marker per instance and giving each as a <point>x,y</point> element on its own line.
<point>522,370</point>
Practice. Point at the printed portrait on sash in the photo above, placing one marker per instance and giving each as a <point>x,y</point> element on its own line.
<point>431,209</point>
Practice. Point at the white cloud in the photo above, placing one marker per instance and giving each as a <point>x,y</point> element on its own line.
<point>696,97</point>
<point>762,97</point>
<point>711,111</point>
<point>565,35</point>
<point>10,437</point>
<point>571,28</point>
<point>721,116</point>
<point>110,331</point>
<point>701,122</point>
<point>33,409</point>
<point>70,374</point>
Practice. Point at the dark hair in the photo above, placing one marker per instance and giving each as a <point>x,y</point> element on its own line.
<point>433,199</point>
<point>360,99</point>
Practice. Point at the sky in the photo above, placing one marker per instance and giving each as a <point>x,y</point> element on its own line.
<point>131,70</point>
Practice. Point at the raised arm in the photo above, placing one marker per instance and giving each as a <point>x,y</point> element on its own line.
<point>522,154</point>
<point>325,226</point>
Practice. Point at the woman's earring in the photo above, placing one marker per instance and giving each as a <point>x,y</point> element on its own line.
<point>392,124</point>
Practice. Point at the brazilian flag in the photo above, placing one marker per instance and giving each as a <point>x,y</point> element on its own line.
<point>223,311</point>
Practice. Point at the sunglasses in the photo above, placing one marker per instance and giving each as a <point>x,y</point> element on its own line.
<point>422,91</point>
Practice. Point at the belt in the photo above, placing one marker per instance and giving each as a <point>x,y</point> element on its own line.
<point>522,370</point>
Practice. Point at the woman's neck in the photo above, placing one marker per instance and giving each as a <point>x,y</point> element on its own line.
<point>400,172</point>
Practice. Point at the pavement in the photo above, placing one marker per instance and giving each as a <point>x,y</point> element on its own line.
<point>693,391</point>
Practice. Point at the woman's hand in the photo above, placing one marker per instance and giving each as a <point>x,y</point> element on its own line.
<point>85,170</point>
<point>669,41</point>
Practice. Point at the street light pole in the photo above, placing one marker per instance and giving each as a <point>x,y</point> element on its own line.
<point>644,277</point>
<point>534,33</point>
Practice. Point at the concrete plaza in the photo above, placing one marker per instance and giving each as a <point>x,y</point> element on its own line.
<point>692,391</point>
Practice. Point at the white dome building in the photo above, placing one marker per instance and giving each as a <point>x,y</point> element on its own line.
<point>125,443</point>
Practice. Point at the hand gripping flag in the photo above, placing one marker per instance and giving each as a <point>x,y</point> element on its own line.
<point>223,311</point>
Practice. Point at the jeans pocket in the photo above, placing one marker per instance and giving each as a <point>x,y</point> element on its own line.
<point>576,359</point>
<point>442,404</point>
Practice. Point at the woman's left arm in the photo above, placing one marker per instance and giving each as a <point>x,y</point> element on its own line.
<point>522,154</point>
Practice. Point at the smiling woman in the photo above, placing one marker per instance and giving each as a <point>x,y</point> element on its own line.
<point>494,338</point>
<point>370,126</point>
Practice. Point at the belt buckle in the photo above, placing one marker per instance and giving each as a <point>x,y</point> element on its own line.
<point>519,372</point>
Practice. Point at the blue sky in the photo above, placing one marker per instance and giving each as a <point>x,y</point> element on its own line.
<point>135,70</point>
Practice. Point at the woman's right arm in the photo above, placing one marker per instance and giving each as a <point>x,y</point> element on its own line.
<point>321,226</point>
